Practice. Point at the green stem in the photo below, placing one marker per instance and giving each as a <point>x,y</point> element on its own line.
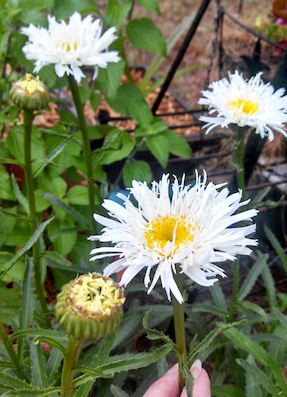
<point>11,352</point>
<point>70,362</point>
<point>85,136</point>
<point>239,159</point>
<point>28,120</point>
<point>179,328</point>
<point>235,289</point>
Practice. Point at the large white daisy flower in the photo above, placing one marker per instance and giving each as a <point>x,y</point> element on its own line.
<point>174,228</point>
<point>70,45</point>
<point>245,103</point>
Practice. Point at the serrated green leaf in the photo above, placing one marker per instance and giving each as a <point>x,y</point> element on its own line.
<point>52,391</point>
<point>137,170</point>
<point>72,212</point>
<point>116,12</point>
<point>145,35</point>
<point>277,246</point>
<point>53,364</point>
<point>19,195</point>
<point>13,383</point>
<point>251,278</point>
<point>126,362</point>
<point>244,342</point>
<point>38,366</point>
<point>218,296</point>
<point>35,237</point>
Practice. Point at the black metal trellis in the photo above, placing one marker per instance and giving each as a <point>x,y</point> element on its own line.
<point>199,140</point>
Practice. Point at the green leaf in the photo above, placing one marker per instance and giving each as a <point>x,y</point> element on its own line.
<point>72,212</point>
<point>116,12</point>
<point>13,383</point>
<point>159,147</point>
<point>117,146</point>
<point>118,392</point>
<point>154,128</point>
<point>19,195</point>
<point>257,377</point>
<point>35,237</point>
<point>41,203</point>
<point>151,5</point>
<point>39,334</point>
<point>63,235</point>
<point>209,338</point>
<point>28,302</point>
<point>277,246</point>
<point>244,342</point>
<point>130,101</point>
<point>51,391</point>
<point>51,156</point>
<point>84,390</point>
<point>218,296</point>
<point>144,34</point>
<point>78,195</point>
<point>137,170</point>
<point>53,364</point>
<point>269,283</point>
<point>178,145</point>
<point>5,185</point>
<point>226,391</point>
<point>251,278</point>
<point>38,366</point>
<point>126,362</point>
<point>110,78</point>
<point>66,8</point>
<point>253,308</point>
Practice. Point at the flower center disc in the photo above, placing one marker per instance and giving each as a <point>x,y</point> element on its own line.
<point>244,105</point>
<point>175,230</point>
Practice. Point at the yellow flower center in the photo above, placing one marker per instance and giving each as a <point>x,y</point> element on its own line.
<point>31,84</point>
<point>94,295</point>
<point>244,105</point>
<point>169,229</point>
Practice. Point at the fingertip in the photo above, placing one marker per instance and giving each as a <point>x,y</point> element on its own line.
<point>202,385</point>
<point>167,385</point>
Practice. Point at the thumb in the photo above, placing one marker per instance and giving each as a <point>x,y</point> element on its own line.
<point>201,385</point>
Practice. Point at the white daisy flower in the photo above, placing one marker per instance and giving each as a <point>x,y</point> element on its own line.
<point>245,103</point>
<point>188,232</point>
<point>70,45</point>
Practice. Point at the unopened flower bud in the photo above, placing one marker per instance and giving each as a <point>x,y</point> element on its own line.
<point>30,93</point>
<point>90,307</point>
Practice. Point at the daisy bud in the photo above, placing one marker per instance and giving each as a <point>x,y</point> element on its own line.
<point>90,307</point>
<point>30,93</point>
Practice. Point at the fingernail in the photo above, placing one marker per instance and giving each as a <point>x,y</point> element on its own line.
<point>196,368</point>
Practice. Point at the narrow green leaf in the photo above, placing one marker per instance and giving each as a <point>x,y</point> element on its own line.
<point>72,212</point>
<point>27,304</point>
<point>252,308</point>
<point>257,377</point>
<point>226,391</point>
<point>251,278</point>
<point>19,195</point>
<point>58,336</point>
<point>244,342</point>
<point>269,284</point>
<point>35,237</point>
<point>53,364</point>
<point>218,296</point>
<point>13,383</point>
<point>126,362</point>
<point>84,390</point>
<point>52,391</point>
<point>277,246</point>
<point>118,392</point>
<point>209,338</point>
<point>38,366</point>
<point>51,156</point>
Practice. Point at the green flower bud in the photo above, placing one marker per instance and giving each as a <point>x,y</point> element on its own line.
<point>90,307</point>
<point>30,93</point>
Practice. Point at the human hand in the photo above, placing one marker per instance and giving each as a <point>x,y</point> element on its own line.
<point>167,385</point>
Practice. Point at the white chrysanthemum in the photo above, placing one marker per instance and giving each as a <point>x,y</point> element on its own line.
<point>245,103</point>
<point>70,45</point>
<point>189,232</point>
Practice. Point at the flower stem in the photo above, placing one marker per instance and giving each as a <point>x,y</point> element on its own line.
<point>239,160</point>
<point>85,136</point>
<point>70,362</point>
<point>179,328</point>
<point>28,120</point>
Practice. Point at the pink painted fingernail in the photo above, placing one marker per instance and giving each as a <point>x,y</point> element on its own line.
<point>196,368</point>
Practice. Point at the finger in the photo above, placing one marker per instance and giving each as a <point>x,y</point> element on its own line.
<point>201,386</point>
<point>166,386</point>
